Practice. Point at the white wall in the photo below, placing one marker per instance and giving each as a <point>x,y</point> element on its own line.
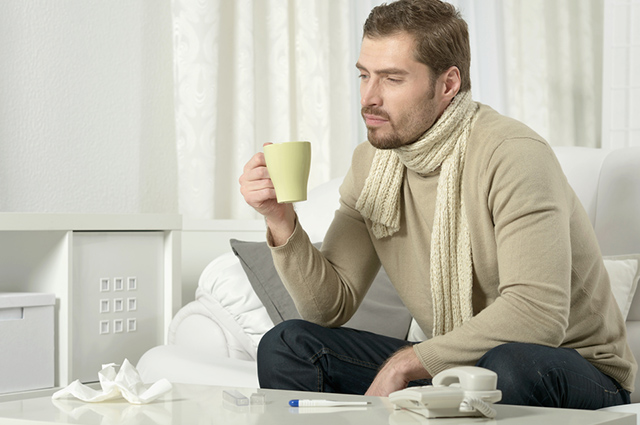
<point>86,106</point>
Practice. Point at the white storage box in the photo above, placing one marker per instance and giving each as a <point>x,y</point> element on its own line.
<point>26,341</point>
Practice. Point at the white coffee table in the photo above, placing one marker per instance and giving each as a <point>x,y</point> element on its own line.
<point>196,404</point>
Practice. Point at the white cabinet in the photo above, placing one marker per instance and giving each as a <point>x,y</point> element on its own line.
<point>116,279</point>
<point>117,298</point>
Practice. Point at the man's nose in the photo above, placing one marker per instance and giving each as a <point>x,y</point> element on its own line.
<point>370,94</point>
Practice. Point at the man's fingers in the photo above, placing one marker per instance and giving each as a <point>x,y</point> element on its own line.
<point>256,186</point>
<point>256,161</point>
<point>253,171</point>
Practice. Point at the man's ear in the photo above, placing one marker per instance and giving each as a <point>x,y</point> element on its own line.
<point>450,83</point>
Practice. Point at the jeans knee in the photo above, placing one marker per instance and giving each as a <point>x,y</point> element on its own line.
<point>512,363</point>
<point>504,357</point>
<point>283,332</point>
<point>275,339</point>
<point>283,357</point>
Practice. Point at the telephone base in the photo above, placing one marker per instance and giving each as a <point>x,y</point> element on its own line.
<point>442,413</point>
<point>458,392</point>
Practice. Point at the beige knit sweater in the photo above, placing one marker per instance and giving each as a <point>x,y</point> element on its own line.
<point>538,275</point>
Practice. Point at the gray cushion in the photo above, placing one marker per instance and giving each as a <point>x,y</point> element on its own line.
<point>381,311</point>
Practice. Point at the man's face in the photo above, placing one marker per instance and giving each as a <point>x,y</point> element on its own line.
<point>398,97</point>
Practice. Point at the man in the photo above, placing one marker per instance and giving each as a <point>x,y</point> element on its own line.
<point>473,220</point>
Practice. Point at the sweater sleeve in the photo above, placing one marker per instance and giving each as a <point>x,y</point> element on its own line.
<point>526,194</point>
<point>328,285</point>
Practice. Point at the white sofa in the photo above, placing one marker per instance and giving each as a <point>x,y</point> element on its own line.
<point>213,340</point>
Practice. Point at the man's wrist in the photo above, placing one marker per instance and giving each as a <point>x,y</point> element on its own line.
<point>409,366</point>
<point>281,228</point>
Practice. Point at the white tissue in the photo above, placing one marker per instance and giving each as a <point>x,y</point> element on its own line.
<point>126,383</point>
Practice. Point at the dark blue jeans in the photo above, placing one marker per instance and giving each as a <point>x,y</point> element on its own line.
<point>298,355</point>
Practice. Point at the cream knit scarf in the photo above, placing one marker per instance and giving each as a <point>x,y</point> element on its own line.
<point>443,145</point>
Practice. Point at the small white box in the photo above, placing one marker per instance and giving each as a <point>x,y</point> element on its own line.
<point>26,341</point>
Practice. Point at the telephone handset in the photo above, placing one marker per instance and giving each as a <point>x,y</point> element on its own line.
<point>460,391</point>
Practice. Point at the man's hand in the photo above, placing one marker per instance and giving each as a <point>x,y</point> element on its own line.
<point>401,368</point>
<point>258,191</point>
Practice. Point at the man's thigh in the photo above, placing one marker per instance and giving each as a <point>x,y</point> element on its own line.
<point>300,355</point>
<point>531,374</point>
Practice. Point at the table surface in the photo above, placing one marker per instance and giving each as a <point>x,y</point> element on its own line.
<point>199,404</point>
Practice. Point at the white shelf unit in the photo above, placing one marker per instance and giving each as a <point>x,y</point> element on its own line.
<point>57,253</point>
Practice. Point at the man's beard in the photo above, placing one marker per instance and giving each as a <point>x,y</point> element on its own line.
<point>390,141</point>
<point>381,141</point>
<point>405,132</point>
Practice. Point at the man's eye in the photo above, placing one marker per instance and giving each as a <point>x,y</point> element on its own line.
<point>363,76</point>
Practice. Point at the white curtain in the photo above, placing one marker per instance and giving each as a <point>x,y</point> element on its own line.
<point>554,68</point>
<point>252,71</point>
<point>540,61</point>
<point>249,72</point>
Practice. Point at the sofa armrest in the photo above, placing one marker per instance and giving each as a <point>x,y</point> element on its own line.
<point>201,350</point>
<point>633,337</point>
<point>179,364</point>
<point>205,326</point>
<point>195,327</point>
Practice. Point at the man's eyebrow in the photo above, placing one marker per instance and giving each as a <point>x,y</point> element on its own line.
<point>385,71</point>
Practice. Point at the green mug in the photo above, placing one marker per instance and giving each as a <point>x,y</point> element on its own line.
<point>289,164</point>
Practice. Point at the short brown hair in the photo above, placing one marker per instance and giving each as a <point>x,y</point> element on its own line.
<point>442,37</point>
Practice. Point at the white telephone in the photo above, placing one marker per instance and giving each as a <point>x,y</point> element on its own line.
<point>460,391</point>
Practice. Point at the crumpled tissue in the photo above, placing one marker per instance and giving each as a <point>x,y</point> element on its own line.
<point>126,383</point>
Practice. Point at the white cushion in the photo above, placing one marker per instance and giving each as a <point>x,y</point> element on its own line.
<point>415,332</point>
<point>225,290</point>
<point>624,274</point>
